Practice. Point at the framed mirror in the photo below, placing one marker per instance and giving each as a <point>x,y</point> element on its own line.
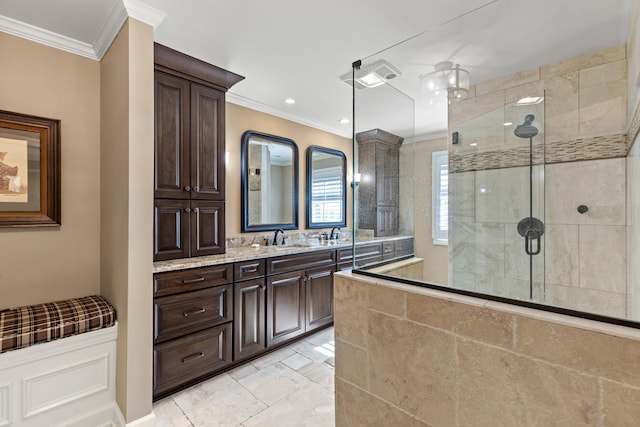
<point>269,173</point>
<point>326,188</point>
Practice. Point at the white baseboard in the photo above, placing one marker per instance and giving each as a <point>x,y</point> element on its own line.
<point>106,416</point>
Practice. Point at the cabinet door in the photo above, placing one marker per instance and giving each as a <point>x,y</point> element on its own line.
<point>387,175</point>
<point>207,228</point>
<point>285,307</point>
<point>248,325</point>
<point>207,143</point>
<point>172,176</point>
<point>387,220</point>
<point>319,290</point>
<point>170,229</point>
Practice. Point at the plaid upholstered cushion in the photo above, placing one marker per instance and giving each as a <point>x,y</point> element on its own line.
<point>25,326</point>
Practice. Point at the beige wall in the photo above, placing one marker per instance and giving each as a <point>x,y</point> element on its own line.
<point>241,119</point>
<point>47,264</point>
<point>436,259</point>
<point>127,205</point>
<point>410,356</point>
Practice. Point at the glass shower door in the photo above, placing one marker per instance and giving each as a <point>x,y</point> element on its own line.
<point>496,197</point>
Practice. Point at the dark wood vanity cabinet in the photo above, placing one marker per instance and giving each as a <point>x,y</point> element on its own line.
<point>210,319</point>
<point>189,112</point>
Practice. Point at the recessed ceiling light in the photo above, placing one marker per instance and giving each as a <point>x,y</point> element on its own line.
<point>473,144</point>
<point>344,121</point>
<point>508,123</point>
<point>290,101</point>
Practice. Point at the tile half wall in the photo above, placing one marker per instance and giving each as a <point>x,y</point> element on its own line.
<point>412,356</point>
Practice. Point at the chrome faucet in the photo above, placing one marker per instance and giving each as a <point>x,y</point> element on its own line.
<point>275,237</point>
<point>335,233</point>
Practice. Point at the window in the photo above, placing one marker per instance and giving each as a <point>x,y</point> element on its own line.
<point>327,193</point>
<point>440,191</point>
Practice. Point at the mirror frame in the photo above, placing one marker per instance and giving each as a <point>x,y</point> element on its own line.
<point>310,224</point>
<point>244,174</point>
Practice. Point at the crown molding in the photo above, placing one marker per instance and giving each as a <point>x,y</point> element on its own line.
<point>120,11</point>
<point>110,29</point>
<point>46,37</point>
<point>258,106</point>
<point>141,11</point>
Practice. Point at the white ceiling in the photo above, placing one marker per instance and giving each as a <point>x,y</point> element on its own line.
<point>298,49</point>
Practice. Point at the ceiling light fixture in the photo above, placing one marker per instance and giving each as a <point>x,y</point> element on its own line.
<point>530,100</point>
<point>372,75</point>
<point>290,101</point>
<point>344,121</point>
<point>508,123</point>
<point>447,78</point>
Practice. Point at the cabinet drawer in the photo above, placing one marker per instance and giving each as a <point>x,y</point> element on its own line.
<point>370,250</point>
<point>387,250</point>
<point>179,361</point>
<point>178,315</point>
<point>248,269</point>
<point>188,280</point>
<point>403,247</point>
<point>300,262</point>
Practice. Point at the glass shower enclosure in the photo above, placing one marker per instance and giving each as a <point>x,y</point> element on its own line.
<point>514,178</point>
<point>496,179</point>
<point>409,102</point>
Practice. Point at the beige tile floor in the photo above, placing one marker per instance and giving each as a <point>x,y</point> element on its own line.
<point>292,386</point>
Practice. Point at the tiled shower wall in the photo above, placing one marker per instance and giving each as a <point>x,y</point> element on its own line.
<point>633,231</point>
<point>585,125</point>
<point>633,168</point>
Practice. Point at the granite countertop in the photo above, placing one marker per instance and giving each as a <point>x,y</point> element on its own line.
<point>246,253</point>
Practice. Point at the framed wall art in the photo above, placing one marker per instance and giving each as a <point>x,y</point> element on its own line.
<point>29,171</point>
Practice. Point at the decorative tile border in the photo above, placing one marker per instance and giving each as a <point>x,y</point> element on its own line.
<point>589,148</point>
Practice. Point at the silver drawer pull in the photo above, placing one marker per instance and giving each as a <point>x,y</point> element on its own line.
<point>250,269</point>
<point>196,311</point>
<point>196,280</point>
<point>193,357</point>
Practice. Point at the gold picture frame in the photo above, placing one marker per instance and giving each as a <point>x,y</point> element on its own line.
<point>29,171</point>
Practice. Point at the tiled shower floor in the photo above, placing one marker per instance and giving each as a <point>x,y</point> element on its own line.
<point>292,386</point>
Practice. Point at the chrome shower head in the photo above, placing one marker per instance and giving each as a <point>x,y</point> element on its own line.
<point>526,130</point>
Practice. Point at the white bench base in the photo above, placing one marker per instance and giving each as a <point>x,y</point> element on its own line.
<point>65,382</point>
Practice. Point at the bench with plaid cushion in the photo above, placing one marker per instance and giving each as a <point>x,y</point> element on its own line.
<point>24,326</point>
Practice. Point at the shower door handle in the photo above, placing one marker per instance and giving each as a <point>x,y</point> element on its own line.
<point>530,237</point>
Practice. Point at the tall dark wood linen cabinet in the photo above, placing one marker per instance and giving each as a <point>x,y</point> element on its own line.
<point>189,208</point>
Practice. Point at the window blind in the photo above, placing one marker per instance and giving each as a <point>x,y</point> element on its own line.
<point>440,192</point>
